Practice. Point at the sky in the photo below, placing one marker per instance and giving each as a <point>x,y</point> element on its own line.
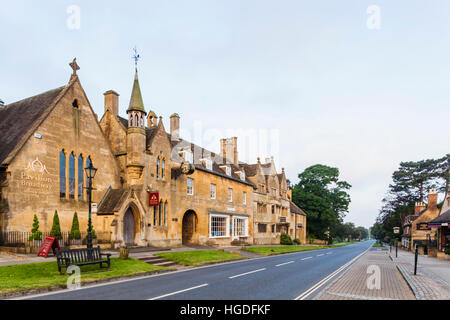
<point>354,84</point>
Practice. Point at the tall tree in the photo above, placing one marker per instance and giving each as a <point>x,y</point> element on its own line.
<point>323,197</point>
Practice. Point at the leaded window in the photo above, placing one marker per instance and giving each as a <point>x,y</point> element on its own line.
<point>62,174</point>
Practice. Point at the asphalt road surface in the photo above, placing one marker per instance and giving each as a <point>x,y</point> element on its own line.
<point>298,275</point>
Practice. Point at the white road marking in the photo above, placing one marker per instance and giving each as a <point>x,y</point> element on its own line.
<point>307,258</point>
<point>329,252</point>
<point>176,292</point>
<point>319,255</point>
<point>282,264</point>
<point>324,280</point>
<point>243,274</point>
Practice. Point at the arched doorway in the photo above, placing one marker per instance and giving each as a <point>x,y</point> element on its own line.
<point>129,227</point>
<point>189,226</point>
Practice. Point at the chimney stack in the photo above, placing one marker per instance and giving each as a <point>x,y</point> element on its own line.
<point>419,206</point>
<point>175,127</point>
<point>229,151</point>
<point>432,199</point>
<point>112,102</point>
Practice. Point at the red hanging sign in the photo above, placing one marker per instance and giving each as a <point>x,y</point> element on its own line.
<point>49,243</point>
<point>153,199</point>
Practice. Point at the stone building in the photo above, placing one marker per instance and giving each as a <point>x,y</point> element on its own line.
<point>441,224</point>
<point>206,198</point>
<point>415,227</point>
<point>274,212</point>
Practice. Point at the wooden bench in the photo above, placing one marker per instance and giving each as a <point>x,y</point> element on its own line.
<point>81,257</point>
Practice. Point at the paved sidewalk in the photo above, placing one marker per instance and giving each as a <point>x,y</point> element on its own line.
<point>432,281</point>
<point>353,284</point>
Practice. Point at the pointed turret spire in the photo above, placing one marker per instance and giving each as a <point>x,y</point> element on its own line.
<point>136,102</point>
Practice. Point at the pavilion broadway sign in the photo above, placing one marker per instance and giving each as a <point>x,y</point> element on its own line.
<point>35,177</point>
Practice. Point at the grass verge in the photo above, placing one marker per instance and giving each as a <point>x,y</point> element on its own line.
<point>268,251</point>
<point>43,275</point>
<point>196,258</point>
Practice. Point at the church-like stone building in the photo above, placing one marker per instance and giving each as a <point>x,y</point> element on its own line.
<point>206,198</point>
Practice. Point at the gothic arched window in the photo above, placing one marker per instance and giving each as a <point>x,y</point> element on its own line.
<point>157,167</point>
<point>62,174</point>
<point>72,176</point>
<point>80,177</point>
<point>155,218</point>
<point>160,212</point>
<point>163,168</point>
<point>165,213</point>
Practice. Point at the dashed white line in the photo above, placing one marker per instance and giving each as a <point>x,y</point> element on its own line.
<point>282,264</point>
<point>307,258</point>
<point>176,292</point>
<point>329,252</point>
<point>243,274</point>
<point>319,255</point>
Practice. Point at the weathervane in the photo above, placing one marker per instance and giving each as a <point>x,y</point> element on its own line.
<point>136,57</point>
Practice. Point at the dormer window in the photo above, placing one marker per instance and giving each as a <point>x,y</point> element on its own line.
<point>228,171</point>
<point>188,156</point>
<point>241,175</point>
<point>207,163</point>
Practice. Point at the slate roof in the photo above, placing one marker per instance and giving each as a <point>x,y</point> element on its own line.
<point>198,152</point>
<point>111,201</point>
<point>295,209</point>
<point>443,218</point>
<point>16,119</point>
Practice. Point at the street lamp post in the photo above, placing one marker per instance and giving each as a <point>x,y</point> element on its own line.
<point>90,174</point>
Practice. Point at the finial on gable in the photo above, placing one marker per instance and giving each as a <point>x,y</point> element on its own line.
<point>75,67</point>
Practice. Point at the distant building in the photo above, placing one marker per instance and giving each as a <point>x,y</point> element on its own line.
<point>441,223</point>
<point>415,227</point>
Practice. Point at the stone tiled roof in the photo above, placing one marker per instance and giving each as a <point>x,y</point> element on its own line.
<point>295,209</point>
<point>198,152</point>
<point>443,218</point>
<point>251,170</point>
<point>16,119</point>
<point>112,200</point>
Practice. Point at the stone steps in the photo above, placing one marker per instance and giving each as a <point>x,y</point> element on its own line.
<point>157,261</point>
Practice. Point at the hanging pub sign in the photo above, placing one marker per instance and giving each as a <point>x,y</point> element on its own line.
<point>49,243</point>
<point>153,199</point>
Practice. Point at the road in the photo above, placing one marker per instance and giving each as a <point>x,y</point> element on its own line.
<point>281,277</point>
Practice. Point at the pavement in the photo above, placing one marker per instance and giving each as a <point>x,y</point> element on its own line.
<point>432,281</point>
<point>359,283</point>
<point>296,275</point>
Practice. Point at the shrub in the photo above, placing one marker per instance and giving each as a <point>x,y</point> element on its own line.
<point>75,231</point>
<point>56,229</point>
<point>447,250</point>
<point>286,239</point>
<point>35,233</point>
<point>297,241</point>
<point>94,236</point>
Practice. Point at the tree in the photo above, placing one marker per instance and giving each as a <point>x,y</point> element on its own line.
<point>94,236</point>
<point>56,229</point>
<point>75,231</point>
<point>35,233</point>
<point>323,197</point>
<point>409,184</point>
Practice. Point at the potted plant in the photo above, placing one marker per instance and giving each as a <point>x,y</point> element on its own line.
<point>75,234</point>
<point>447,253</point>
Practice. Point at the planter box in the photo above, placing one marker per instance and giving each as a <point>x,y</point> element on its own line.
<point>432,253</point>
<point>442,256</point>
